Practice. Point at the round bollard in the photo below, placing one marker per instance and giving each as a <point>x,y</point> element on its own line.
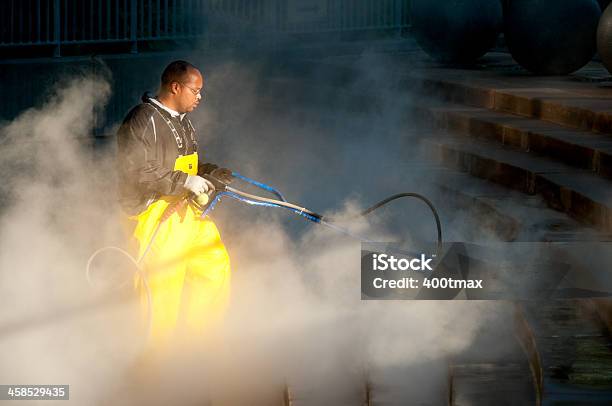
<point>604,38</point>
<point>551,37</point>
<point>456,31</point>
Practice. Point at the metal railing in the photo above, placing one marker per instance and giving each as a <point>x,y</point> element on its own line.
<point>312,16</point>
<point>344,15</point>
<point>66,22</point>
<point>59,22</point>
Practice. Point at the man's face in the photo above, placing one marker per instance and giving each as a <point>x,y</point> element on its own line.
<point>188,94</point>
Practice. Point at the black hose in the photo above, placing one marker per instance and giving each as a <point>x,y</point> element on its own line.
<point>398,196</point>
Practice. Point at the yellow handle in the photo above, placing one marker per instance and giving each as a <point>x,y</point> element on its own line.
<point>202,199</point>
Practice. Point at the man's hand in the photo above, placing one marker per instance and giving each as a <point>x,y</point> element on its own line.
<point>198,185</point>
<point>223,174</point>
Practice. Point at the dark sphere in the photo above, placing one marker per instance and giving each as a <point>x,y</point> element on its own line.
<point>604,38</point>
<point>551,37</point>
<point>456,31</point>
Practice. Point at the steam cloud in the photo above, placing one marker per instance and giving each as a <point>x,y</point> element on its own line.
<point>296,314</point>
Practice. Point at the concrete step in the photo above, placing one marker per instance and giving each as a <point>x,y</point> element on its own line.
<point>501,85</point>
<point>493,369</point>
<point>492,384</point>
<point>423,383</point>
<point>579,148</point>
<point>575,353</point>
<point>579,193</point>
<point>509,215</point>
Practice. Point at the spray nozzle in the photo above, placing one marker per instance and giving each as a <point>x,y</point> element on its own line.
<point>220,186</point>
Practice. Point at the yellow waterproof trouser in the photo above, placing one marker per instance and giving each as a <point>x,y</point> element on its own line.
<point>188,274</point>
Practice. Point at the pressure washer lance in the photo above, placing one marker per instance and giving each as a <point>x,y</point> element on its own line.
<point>207,202</point>
<point>223,189</point>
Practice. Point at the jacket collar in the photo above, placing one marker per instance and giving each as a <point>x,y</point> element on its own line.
<point>173,113</point>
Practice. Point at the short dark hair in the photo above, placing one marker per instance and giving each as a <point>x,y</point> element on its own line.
<point>176,71</point>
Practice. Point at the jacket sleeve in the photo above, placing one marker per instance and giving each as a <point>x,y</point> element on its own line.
<point>144,157</point>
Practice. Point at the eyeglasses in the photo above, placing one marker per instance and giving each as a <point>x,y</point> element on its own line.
<point>195,92</point>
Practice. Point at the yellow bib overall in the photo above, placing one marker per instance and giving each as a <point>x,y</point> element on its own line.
<point>187,270</point>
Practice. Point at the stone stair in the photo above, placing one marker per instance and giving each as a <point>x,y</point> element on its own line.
<point>494,369</point>
<point>579,193</point>
<point>501,85</point>
<point>541,136</point>
<point>575,353</point>
<point>579,148</point>
<point>545,138</point>
<point>530,159</point>
<point>508,215</point>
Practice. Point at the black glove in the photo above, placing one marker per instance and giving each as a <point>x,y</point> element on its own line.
<point>206,169</point>
<point>223,174</point>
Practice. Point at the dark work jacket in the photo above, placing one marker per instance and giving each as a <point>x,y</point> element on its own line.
<point>147,149</point>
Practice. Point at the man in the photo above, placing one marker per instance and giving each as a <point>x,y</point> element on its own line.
<point>186,265</point>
